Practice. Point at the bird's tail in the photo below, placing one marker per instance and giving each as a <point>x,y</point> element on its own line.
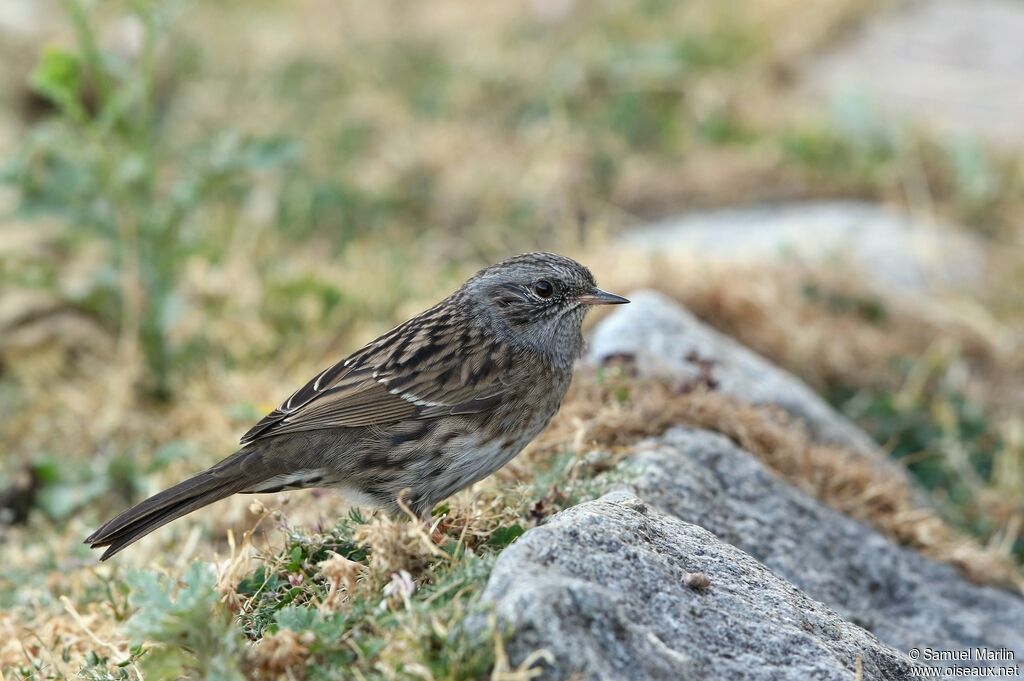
<point>232,475</point>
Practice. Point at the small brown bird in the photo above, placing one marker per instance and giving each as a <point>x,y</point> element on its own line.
<point>427,409</point>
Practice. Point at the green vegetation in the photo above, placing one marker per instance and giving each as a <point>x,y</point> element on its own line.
<point>211,201</point>
<point>108,165</point>
<point>950,442</point>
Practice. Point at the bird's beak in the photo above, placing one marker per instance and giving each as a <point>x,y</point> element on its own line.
<point>599,297</point>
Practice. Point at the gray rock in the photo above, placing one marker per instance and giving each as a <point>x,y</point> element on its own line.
<point>901,254</point>
<point>903,598</point>
<point>954,65</point>
<point>668,342</point>
<point>601,589</point>
<point>797,590</point>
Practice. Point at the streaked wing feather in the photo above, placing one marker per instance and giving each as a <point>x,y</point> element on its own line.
<point>341,375</point>
<point>361,405</point>
<point>407,373</point>
<point>473,406</point>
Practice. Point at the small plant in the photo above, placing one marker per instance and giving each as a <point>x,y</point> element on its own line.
<point>339,600</point>
<point>291,578</point>
<point>184,628</point>
<point>99,667</point>
<point>949,443</point>
<point>391,598</point>
<point>107,165</point>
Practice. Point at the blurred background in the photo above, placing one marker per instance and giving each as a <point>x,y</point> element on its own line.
<point>203,204</point>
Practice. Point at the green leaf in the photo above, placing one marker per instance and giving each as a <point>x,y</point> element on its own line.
<point>503,536</point>
<point>295,618</point>
<point>295,559</point>
<point>48,471</point>
<point>58,76</point>
<point>256,582</point>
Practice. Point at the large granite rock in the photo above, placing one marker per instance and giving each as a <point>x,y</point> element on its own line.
<point>901,254</point>
<point>601,588</point>
<point>797,591</point>
<point>665,341</point>
<point>900,596</point>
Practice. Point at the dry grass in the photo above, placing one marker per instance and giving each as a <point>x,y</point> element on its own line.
<point>826,325</point>
<point>844,480</point>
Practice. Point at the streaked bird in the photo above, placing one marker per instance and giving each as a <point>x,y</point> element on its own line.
<point>432,406</point>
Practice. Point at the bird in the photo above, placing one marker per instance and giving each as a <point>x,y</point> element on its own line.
<point>434,405</point>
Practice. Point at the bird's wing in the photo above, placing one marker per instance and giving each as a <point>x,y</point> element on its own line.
<point>422,369</point>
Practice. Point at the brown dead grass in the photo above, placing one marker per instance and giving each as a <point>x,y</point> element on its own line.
<point>59,641</point>
<point>281,655</point>
<point>833,347</point>
<point>827,339</point>
<point>849,482</point>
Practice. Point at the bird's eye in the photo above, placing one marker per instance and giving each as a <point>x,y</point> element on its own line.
<point>544,288</point>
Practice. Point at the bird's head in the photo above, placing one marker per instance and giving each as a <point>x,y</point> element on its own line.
<point>539,300</point>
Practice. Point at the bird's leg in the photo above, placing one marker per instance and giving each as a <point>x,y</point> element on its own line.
<point>424,518</point>
<point>434,529</point>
